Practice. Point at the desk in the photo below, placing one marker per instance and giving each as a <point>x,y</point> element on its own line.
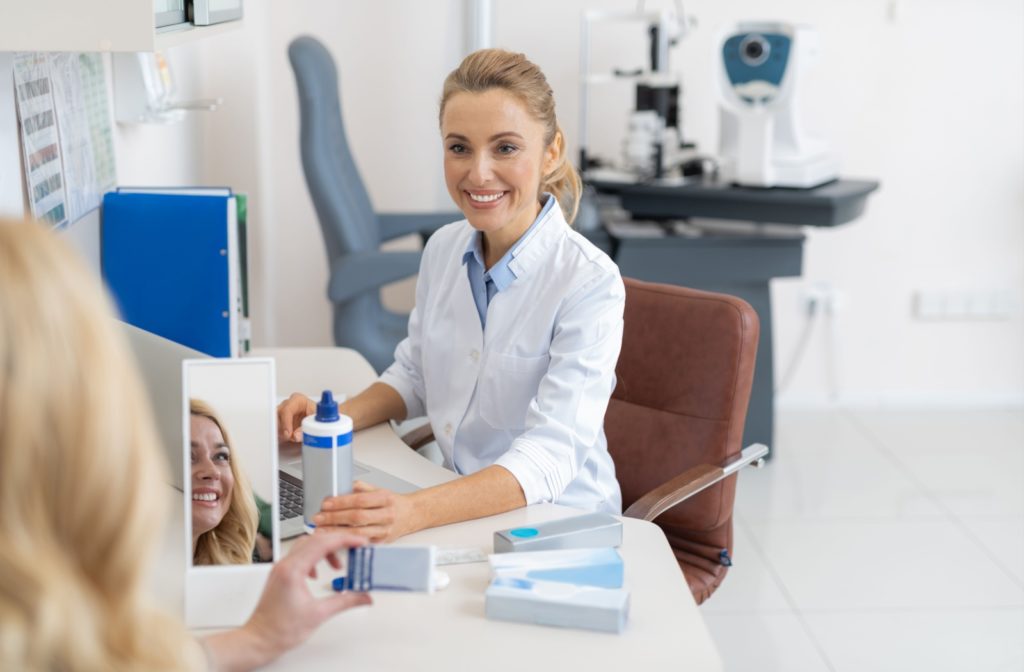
<point>830,204</point>
<point>741,265</point>
<point>447,630</point>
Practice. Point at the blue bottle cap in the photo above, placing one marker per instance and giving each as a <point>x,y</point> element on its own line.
<point>327,409</point>
<point>524,532</point>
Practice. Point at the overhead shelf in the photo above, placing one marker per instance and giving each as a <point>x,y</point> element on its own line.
<point>94,26</point>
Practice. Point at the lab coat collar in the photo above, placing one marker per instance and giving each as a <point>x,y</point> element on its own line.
<point>505,271</point>
<point>532,248</point>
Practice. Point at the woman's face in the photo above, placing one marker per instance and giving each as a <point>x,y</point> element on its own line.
<point>494,159</point>
<point>212,479</point>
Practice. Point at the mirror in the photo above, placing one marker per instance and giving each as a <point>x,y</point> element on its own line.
<point>230,495</point>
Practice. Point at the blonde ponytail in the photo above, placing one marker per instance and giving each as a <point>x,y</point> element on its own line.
<point>564,182</point>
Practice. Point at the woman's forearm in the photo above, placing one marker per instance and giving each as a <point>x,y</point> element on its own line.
<point>490,491</point>
<point>376,404</point>
<point>238,650</point>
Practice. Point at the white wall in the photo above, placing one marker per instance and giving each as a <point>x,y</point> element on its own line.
<point>144,154</point>
<point>927,97</point>
<point>924,96</point>
<point>391,57</point>
<point>243,398</point>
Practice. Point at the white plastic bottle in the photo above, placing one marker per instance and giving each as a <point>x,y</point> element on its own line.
<point>326,456</point>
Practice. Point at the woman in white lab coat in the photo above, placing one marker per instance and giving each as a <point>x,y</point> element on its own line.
<point>517,326</point>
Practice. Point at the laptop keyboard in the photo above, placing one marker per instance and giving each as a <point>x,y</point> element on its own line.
<point>291,500</point>
<point>291,493</point>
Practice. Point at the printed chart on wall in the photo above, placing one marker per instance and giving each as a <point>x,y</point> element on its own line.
<point>65,133</point>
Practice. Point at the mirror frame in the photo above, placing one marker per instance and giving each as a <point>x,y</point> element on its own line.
<point>219,596</point>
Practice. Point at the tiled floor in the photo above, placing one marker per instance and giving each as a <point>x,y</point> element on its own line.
<point>879,541</point>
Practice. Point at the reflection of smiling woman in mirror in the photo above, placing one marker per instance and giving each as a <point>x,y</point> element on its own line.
<point>81,484</point>
<point>224,515</point>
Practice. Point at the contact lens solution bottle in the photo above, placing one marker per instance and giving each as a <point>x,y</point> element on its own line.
<point>326,456</point>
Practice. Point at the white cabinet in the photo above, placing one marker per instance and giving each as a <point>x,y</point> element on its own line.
<point>92,25</point>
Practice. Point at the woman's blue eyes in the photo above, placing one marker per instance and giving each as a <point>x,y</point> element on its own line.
<point>504,148</point>
<point>221,456</point>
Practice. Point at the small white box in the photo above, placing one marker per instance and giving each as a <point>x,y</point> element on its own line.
<point>576,588</point>
<point>591,530</point>
<point>559,604</point>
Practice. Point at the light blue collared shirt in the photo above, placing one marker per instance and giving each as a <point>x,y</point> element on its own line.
<point>485,284</point>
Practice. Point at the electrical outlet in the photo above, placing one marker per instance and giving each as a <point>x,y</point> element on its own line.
<point>962,304</point>
<point>820,298</point>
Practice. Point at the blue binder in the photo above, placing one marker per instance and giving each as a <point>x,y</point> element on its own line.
<point>170,259</point>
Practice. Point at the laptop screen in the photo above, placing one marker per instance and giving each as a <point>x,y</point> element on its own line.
<point>159,363</point>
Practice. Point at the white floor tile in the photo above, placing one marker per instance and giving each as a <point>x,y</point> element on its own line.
<point>942,431</point>
<point>1004,537</point>
<point>882,564</point>
<point>763,642</point>
<point>861,518</point>
<point>973,484</point>
<point>937,641</point>
<point>749,585</point>
<point>856,482</point>
<point>973,462</point>
<point>817,432</point>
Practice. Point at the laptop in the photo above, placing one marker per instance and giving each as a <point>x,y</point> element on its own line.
<point>290,471</point>
<point>159,362</point>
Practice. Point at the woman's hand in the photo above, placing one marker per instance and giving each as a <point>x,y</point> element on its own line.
<point>290,415</point>
<point>377,514</point>
<point>287,613</point>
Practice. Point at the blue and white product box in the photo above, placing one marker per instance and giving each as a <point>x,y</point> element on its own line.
<point>408,568</point>
<point>577,588</point>
<point>591,530</point>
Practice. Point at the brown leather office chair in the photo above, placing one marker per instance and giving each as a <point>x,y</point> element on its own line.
<point>675,420</point>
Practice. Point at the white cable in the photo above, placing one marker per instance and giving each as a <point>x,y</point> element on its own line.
<point>799,350</point>
<point>831,337</point>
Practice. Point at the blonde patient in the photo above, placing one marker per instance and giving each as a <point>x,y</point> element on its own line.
<point>80,483</point>
<point>224,514</point>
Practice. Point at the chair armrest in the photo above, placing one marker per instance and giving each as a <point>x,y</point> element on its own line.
<point>692,481</point>
<point>419,437</point>
<point>395,224</point>
<point>355,274</point>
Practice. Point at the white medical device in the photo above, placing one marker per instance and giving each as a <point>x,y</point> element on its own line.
<point>761,142</point>
<point>654,144</point>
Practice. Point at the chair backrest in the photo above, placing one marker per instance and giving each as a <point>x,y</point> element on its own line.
<point>343,206</point>
<point>684,379</point>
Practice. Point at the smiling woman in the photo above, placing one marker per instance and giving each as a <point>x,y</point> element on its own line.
<point>517,327</point>
<point>224,513</point>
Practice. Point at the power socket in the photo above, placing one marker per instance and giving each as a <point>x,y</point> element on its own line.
<point>820,298</point>
<point>962,304</point>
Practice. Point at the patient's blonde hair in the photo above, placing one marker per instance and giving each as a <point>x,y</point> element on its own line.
<point>233,540</point>
<point>488,69</point>
<point>81,477</point>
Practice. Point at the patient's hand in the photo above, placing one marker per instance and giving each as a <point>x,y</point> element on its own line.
<point>287,613</point>
<point>290,415</point>
<point>375,513</point>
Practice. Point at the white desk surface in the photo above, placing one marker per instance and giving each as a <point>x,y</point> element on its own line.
<point>447,630</point>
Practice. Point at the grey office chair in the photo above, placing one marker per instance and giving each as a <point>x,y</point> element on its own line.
<point>352,230</point>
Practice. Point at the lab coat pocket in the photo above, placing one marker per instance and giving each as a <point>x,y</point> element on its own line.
<point>508,387</point>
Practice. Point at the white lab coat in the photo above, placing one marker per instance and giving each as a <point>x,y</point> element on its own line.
<point>529,391</point>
